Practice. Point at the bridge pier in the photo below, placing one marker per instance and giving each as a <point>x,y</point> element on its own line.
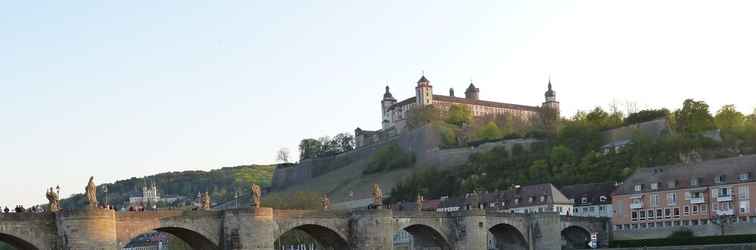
<point>372,229</point>
<point>471,230</point>
<point>88,229</point>
<point>252,229</point>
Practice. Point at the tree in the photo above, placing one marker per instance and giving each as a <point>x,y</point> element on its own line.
<point>283,155</point>
<point>309,148</point>
<point>488,132</point>
<point>694,117</point>
<point>344,142</point>
<point>419,116</point>
<point>728,118</point>
<point>458,115</point>
<point>645,115</point>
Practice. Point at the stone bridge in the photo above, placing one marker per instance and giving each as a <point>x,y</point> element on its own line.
<point>260,228</point>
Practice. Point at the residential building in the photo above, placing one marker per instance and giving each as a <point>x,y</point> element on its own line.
<point>525,199</point>
<point>590,200</point>
<point>694,195</point>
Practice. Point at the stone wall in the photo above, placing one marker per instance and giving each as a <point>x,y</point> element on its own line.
<point>699,230</point>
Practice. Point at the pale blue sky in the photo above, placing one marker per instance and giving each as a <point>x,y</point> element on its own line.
<point>117,89</point>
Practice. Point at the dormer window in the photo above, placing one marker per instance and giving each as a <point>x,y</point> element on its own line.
<point>517,201</point>
<point>543,198</point>
<point>602,198</point>
<point>672,184</point>
<point>694,182</point>
<point>530,199</point>
<point>654,186</point>
<point>584,200</point>
<point>638,188</point>
<point>744,176</point>
<point>721,179</point>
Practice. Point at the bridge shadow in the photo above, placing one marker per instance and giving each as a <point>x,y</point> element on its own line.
<point>575,237</point>
<point>172,238</point>
<point>311,236</point>
<point>17,243</point>
<point>506,236</point>
<point>420,236</point>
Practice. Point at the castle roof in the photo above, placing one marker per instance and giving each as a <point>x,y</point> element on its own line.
<point>550,92</point>
<point>471,88</point>
<point>454,99</point>
<point>423,80</point>
<point>387,95</point>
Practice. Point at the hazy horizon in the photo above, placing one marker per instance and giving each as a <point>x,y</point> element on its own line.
<point>129,89</point>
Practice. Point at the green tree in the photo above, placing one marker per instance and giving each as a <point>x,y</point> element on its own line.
<point>694,117</point>
<point>458,115</point>
<point>419,116</point>
<point>645,115</point>
<point>489,131</point>
<point>387,158</point>
<point>728,118</point>
<point>309,148</point>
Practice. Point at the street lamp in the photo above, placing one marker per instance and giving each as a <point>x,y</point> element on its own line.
<point>105,189</point>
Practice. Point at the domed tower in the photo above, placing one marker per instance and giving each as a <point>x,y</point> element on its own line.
<point>472,92</point>
<point>550,106</point>
<point>423,92</point>
<point>386,103</point>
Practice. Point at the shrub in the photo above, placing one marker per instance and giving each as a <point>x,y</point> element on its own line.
<point>388,158</point>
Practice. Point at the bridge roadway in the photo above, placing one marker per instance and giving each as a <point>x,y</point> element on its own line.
<point>259,228</point>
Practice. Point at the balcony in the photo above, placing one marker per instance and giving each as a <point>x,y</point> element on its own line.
<point>698,200</point>
<point>724,198</point>
<point>636,205</point>
<point>725,212</point>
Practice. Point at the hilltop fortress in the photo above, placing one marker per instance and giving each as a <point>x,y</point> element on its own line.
<point>394,114</point>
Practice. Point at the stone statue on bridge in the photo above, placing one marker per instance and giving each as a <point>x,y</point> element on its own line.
<point>377,196</point>
<point>256,196</point>
<point>205,202</point>
<point>325,202</point>
<point>419,202</point>
<point>54,200</point>
<point>91,193</point>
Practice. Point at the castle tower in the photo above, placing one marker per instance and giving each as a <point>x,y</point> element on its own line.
<point>550,107</point>
<point>472,92</point>
<point>451,92</point>
<point>423,92</point>
<point>386,103</point>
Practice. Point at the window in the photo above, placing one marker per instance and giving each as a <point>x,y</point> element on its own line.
<point>602,198</point>
<point>592,209</point>
<point>671,199</point>
<point>743,193</point>
<point>672,184</point>
<point>667,213</point>
<point>724,192</point>
<point>704,208</point>
<point>720,179</point>
<point>654,200</point>
<point>694,182</point>
<point>744,176</point>
<point>638,188</point>
<point>654,186</point>
<point>694,210</point>
<point>584,200</point>
<point>676,212</point>
<point>642,215</point>
<point>530,199</point>
<point>543,198</point>
<point>634,216</point>
<point>744,207</point>
<point>650,214</point>
<point>686,210</point>
<point>517,201</point>
<point>618,227</point>
<point>659,214</point>
<point>575,210</point>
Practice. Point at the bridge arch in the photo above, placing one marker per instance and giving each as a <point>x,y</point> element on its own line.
<point>326,236</point>
<point>17,242</point>
<point>427,237</point>
<point>191,237</point>
<point>575,237</point>
<point>506,236</point>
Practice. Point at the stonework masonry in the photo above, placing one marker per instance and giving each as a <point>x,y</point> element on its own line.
<point>258,228</point>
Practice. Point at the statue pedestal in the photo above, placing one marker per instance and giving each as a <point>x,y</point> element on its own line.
<point>90,228</point>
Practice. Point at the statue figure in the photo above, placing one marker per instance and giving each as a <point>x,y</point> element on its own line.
<point>205,202</point>
<point>91,193</point>
<point>256,196</point>
<point>325,202</point>
<point>377,196</point>
<point>54,200</point>
<point>419,202</point>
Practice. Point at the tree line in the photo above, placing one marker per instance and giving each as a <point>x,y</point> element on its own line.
<point>326,146</point>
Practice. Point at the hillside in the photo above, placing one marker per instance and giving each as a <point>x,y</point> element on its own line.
<point>221,183</point>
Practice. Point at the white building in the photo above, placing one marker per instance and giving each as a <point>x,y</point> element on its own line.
<point>590,200</point>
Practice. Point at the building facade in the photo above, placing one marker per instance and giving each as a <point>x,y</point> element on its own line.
<point>590,200</point>
<point>692,196</point>
<point>394,113</point>
<point>526,199</point>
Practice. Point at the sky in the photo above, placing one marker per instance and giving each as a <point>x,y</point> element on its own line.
<point>120,89</point>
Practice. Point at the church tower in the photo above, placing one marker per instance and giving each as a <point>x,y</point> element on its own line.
<point>550,108</point>
<point>423,92</point>
<point>386,103</point>
<point>472,92</point>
